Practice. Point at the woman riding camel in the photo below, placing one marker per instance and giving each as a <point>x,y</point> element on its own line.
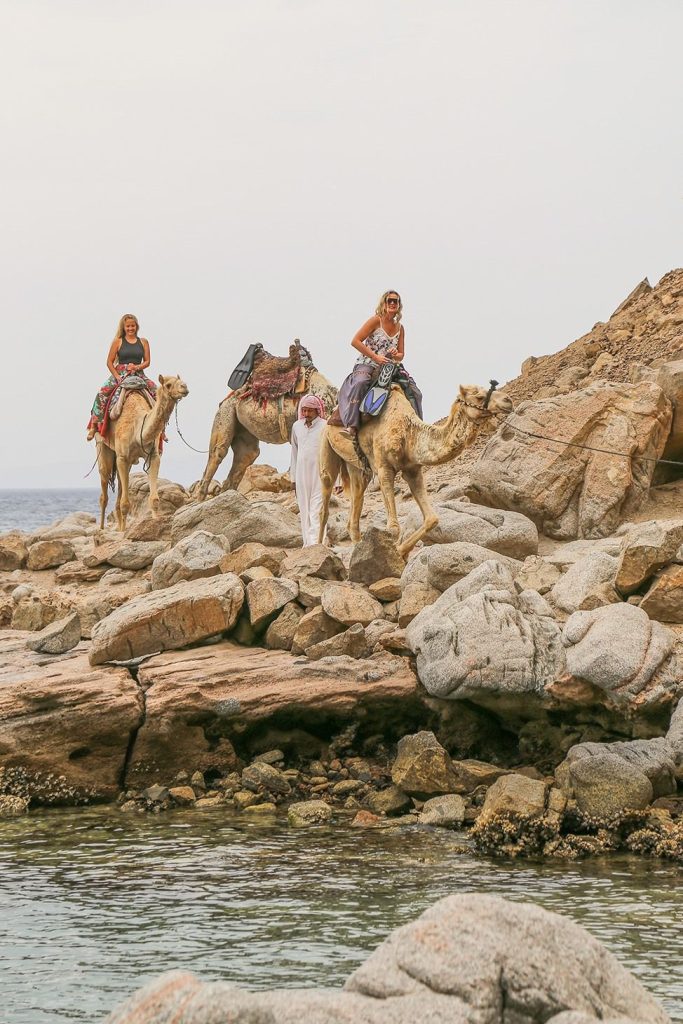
<point>380,340</point>
<point>128,353</point>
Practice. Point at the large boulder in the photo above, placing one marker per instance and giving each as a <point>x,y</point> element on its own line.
<point>654,758</point>
<point>126,554</point>
<point>588,583</point>
<point>239,520</point>
<point>171,497</point>
<point>603,784</point>
<point>647,548</point>
<point>199,555</point>
<point>251,555</point>
<point>66,731</point>
<point>482,638</point>
<point>201,701</point>
<point>442,565</point>
<point>570,492</point>
<point>375,557</point>
<point>468,959</point>
<point>167,619</point>
<point>507,533</point>
<point>624,653</point>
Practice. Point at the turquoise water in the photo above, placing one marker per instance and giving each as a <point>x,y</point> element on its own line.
<point>94,903</point>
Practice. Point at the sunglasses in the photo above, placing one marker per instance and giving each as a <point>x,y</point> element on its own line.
<point>393,302</point>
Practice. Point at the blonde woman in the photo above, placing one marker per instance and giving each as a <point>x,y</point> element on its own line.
<point>380,340</point>
<point>128,353</point>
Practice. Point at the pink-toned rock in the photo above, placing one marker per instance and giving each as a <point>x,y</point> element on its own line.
<point>199,701</point>
<point>246,556</point>
<point>348,604</point>
<point>66,729</point>
<point>167,619</point>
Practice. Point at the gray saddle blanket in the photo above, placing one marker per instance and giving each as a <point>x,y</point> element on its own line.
<point>126,386</point>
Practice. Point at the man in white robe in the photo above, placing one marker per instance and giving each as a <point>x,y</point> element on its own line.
<point>303,471</point>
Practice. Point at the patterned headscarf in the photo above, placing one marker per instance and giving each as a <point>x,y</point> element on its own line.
<point>311,402</point>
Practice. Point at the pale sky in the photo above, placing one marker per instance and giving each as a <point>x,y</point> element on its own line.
<point>260,170</point>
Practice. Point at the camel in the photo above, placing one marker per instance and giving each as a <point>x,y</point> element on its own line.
<point>241,424</point>
<point>133,436</point>
<point>399,440</point>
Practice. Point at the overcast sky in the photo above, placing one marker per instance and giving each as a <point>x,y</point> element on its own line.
<point>259,170</point>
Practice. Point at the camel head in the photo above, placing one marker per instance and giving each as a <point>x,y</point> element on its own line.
<point>475,406</point>
<point>174,388</point>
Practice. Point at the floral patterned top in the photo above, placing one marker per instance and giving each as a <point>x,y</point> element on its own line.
<point>379,342</point>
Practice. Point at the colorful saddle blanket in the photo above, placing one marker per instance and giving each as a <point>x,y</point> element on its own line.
<point>126,387</point>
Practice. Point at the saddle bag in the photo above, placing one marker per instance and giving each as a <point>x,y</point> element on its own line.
<point>242,372</point>
<point>375,398</point>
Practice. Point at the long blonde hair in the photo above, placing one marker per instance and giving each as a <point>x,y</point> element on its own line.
<point>121,329</point>
<point>382,305</point>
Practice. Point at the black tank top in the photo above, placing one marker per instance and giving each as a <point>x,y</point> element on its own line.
<point>131,353</point>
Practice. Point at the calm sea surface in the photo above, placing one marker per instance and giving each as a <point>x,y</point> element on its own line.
<point>31,508</point>
<point>96,902</point>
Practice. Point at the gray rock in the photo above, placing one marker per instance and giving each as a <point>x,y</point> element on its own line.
<point>508,533</point>
<point>136,554</point>
<point>603,784</point>
<point>375,557</point>
<point>309,812</point>
<point>155,794</point>
<point>240,520</point>
<point>655,758</point>
<point>537,574</point>
<point>587,584</point>
<point>196,556</point>
<point>623,652</point>
<point>57,638</point>
<point>482,637</point>
<point>469,959</point>
<point>442,565</point>
<point>113,577</point>
<point>443,811</point>
<point>674,739</point>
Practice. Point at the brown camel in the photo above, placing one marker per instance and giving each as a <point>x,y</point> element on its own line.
<point>399,440</point>
<point>133,436</point>
<point>241,423</point>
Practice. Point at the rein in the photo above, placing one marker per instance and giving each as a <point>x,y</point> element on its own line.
<point>198,450</point>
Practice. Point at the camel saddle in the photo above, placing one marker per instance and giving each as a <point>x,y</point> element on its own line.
<point>265,377</point>
<point>126,387</point>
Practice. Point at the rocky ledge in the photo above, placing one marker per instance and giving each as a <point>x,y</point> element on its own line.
<point>467,960</point>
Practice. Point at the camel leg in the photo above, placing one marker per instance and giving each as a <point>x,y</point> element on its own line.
<point>153,475</point>
<point>358,484</point>
<point>123,502</point>
<point>245,450</point>
<point>386,476</point>
<point>329,464</point>
<point>418,489</point>
<point>222,433</point>
<point>105,464</point>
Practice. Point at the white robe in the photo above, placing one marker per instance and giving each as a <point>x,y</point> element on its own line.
<point>304,472</point>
